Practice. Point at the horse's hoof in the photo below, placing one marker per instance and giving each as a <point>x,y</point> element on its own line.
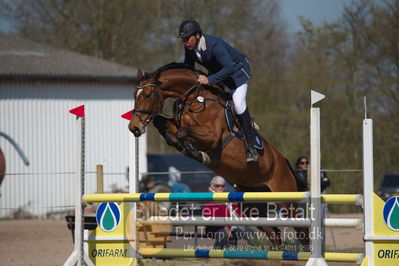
<point>255,126</point>
<point>252,159</point>
<point>252,156</point>
<point>205,159</point>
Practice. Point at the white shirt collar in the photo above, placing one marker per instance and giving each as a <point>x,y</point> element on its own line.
<point>201,44</point>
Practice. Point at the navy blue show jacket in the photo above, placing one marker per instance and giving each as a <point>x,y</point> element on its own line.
<point>225,64</point>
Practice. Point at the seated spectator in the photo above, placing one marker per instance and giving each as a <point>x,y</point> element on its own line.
<point>175,181</point>
<point>220,233</point>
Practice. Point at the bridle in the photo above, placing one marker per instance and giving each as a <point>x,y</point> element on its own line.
<point>150,112</point>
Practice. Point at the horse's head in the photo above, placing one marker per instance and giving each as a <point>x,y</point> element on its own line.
<point>147,103</point>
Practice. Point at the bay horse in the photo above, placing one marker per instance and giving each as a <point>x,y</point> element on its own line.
<point>199,129</point>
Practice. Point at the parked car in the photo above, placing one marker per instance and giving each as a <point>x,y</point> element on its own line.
<point>180,174</point>
<point>389,186</point>
<point>166,168</point>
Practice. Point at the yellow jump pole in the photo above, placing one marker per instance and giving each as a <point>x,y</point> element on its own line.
<point>204,197</point>
<point>342,199</point>
<point>246,254</point>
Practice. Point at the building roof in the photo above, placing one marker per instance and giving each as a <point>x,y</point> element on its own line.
<point>23,59</point>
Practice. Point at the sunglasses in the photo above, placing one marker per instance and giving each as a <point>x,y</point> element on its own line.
<point>304,163</point>
<point>218,186</point>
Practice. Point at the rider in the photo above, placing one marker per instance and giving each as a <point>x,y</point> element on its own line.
<point>225,65</point>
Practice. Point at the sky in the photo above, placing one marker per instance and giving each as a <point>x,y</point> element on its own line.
<point>317,11</point>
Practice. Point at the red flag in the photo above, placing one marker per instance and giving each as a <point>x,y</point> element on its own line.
<point>127,115</point>
<point>78,111</point>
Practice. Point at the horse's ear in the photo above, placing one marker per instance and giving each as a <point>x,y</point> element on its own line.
<point>139,74</point>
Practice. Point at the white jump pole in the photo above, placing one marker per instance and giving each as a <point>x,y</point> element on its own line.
<point>78,255</point>
<point>133,181</point>
<point>368,187</point>
<point>316,231</point>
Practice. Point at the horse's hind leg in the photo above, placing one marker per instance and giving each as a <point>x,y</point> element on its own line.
<point>281,210</point>
<point>296,211</point>
<point>274,236</point>
<point>303,235</point>
<point>262,210</point>
<point>302,232</point>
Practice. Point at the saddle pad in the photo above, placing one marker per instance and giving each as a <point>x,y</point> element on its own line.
<point>237,132</point>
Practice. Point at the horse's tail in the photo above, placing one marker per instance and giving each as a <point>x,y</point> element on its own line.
<point>299,187</point>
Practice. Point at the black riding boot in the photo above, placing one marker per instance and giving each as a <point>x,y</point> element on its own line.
<point>246,125</point>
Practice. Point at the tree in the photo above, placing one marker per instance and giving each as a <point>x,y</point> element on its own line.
<point>355,57</point>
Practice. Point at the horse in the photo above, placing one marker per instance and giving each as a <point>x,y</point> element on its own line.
<point>199,129</point>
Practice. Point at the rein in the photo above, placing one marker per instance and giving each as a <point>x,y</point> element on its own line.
<point>150,111</point>
<point>196,88</point>
<point>147,85</point>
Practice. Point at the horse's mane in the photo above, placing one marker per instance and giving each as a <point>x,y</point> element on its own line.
<point>175,65</point>
<point>172,65</point>
<point>217,89</point>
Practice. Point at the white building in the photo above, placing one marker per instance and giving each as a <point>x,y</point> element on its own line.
<point>38,86</point>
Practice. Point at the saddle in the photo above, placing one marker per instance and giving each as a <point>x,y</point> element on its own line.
<point>233,126</point>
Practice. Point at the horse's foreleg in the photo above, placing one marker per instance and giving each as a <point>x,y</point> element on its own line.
<point>204,137</point>
<point>196,139</point>
<point>168,131</point>
<point>188,144</point>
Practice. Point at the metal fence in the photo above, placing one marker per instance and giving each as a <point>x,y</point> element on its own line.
<point>50,195</point>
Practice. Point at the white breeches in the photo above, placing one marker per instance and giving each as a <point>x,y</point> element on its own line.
<point>239,98</point>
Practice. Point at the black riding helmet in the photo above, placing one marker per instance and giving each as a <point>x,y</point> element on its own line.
<point>188,28</point>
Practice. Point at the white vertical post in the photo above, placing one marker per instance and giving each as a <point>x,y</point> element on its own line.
<point>368,186</point>
<point>133,181</point>
<point>77,254</point>
<point>80,190</point>
<point>315,152</point>
<point>133,167</point>
<point>316,235</point>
